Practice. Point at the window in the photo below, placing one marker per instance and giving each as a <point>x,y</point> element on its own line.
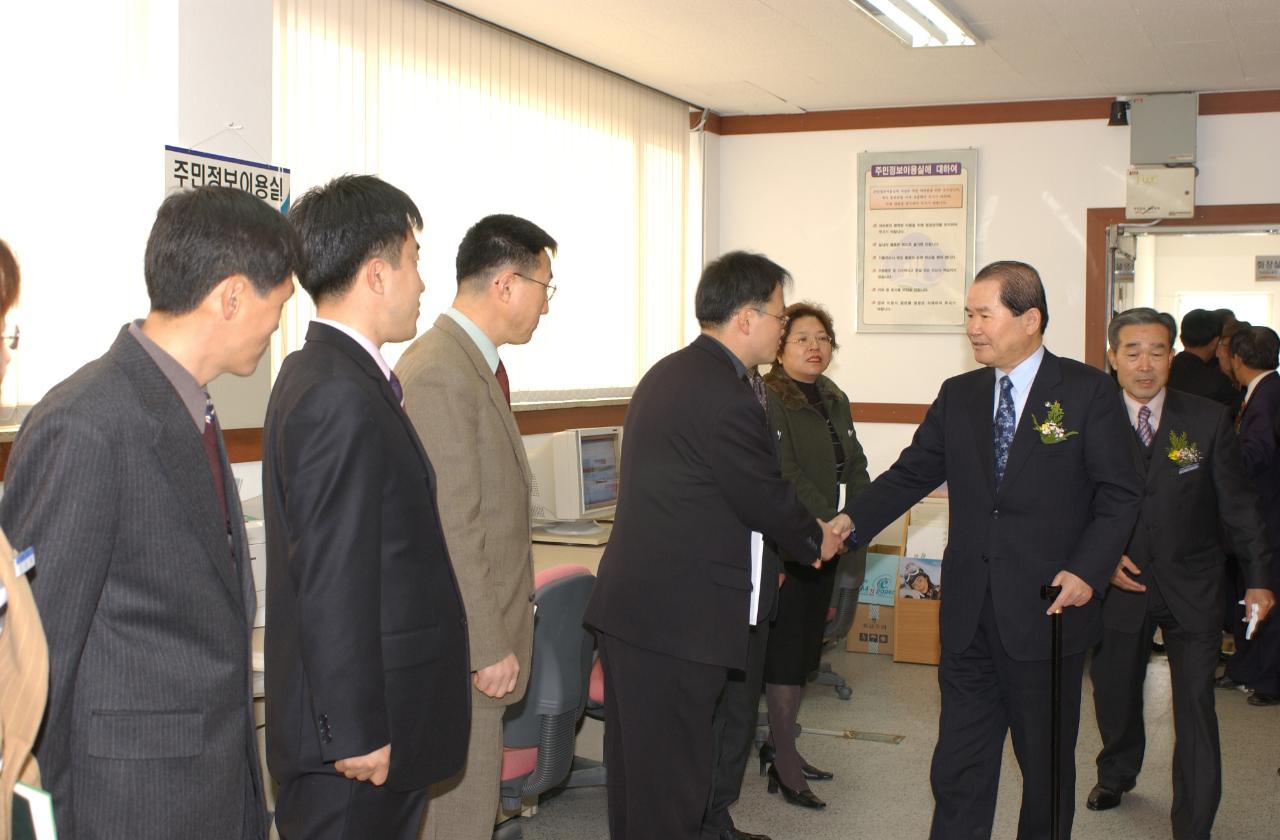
<point>471,120</point>
<point>80,175</point>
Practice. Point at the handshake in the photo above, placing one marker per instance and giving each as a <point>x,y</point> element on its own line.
<point>838,536</point>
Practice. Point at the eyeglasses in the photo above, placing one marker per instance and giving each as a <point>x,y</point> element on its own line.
<point>782,319</point>
<point>805,340</point>
<point>551,290</point>
<point>12,338</point>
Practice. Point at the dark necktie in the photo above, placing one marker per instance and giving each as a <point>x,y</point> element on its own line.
<point>1145,432</point>
<point>1002,430</point>
<point>503,382</point>
<point>210,436</point>
<point>756,381</point>
<point>396,388</point>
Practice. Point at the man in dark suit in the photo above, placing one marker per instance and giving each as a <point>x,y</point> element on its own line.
<point>1185,453</point>
<point>1195,370</point>
<point>737,713</point>
<point>119,480</point>
<point>675,596</point>
<point>368,684</point>
<point>1035,454</point>
<point>1253,356</point>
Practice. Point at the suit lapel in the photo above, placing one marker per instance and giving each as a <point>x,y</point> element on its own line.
<point>1171,420</point>
<point>981,415</point>
<point>239,539</point>
<point>1025,437</point>
<point>451,328</point>
<point>180,451</point>
<point>362,360</point>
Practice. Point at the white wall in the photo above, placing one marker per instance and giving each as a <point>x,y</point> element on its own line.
<point>793,197</point>
<point>224,76</point>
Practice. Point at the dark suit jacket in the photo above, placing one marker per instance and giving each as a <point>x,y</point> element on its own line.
<point>1176,538</point>
<point>366,635</point>
<point>1259,437</point>
<point>147,608</point>
<point>698,475</point>
<point>1068,505</point>
<point>1190,375</point>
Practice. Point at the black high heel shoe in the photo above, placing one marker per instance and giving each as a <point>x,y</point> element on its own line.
<point>810,772</point>
<point>803,798</point>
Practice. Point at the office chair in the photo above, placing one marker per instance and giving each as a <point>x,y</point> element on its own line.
<point>844,602</point>
<point>538,732</point>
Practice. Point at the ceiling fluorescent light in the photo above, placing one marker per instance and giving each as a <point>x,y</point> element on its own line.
<point>917,23</point>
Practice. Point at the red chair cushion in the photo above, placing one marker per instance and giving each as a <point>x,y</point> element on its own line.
<point>595,688</point>
<point>546,576</point>
<point>517,762</point>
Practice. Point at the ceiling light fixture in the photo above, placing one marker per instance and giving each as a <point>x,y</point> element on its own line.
<point>918,23</point>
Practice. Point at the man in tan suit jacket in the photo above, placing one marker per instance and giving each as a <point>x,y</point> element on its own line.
<point>24,682</point>
<point>458,396</point>
<point>24,656</point>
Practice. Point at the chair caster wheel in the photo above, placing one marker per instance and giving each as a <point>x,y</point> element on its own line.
<point>844,692</point>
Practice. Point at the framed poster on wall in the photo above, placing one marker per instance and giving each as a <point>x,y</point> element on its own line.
<point>915,239</point>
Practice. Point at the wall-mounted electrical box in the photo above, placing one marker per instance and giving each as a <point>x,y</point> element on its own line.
<point>1160,192</point>
<point>1162,128</point>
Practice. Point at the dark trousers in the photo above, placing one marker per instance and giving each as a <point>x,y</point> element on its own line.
<point>1118,670</point>
<point>658,740</point>
<point>1256,662</point>
<point>734,728</point>
<point>986,695</point>
<point>333,807</point>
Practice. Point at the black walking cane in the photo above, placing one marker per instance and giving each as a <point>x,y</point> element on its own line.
<point>1050,594</point>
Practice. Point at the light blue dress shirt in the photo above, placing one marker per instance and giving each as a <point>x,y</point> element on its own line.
<point>487,348</point>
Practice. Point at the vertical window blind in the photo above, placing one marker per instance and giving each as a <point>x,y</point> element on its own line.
<point>470,120</point>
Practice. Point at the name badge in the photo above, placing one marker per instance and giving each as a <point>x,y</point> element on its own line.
<point>1188,468</point>
<point>25,561</point>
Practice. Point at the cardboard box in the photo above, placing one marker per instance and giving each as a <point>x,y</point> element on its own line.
<point>872,630</point>
<point>916,637</point>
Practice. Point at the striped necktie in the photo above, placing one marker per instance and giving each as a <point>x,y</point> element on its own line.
<point>1145,432</point>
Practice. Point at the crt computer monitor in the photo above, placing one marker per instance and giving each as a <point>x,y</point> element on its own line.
<point>575,478</point>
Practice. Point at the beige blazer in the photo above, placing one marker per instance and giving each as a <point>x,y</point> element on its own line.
<point>470,434</point>
<point>24,684</point>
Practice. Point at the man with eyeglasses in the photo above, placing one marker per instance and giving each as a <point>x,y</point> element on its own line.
<point>683,577</point>
<point>458,396</point>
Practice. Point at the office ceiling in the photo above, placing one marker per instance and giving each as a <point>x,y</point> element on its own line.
<point>792,56</point>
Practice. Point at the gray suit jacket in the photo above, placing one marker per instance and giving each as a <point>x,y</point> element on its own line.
<point>147,608</point>
<point>467,428</point>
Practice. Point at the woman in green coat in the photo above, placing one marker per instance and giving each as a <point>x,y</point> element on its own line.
<point>821,456</point>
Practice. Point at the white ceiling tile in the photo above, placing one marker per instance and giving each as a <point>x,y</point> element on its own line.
<point>771,56</point>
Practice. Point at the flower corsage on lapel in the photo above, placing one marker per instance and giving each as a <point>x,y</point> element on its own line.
<point>1183,452</point>
<point>1053,429</point>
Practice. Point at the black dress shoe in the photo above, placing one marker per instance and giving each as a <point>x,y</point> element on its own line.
<point>810,772</point>
<point>1226,682</point>
<point>735,834</point>
<point>1257,698</point>
<point>803,798</point>
<point>1103,798</point>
